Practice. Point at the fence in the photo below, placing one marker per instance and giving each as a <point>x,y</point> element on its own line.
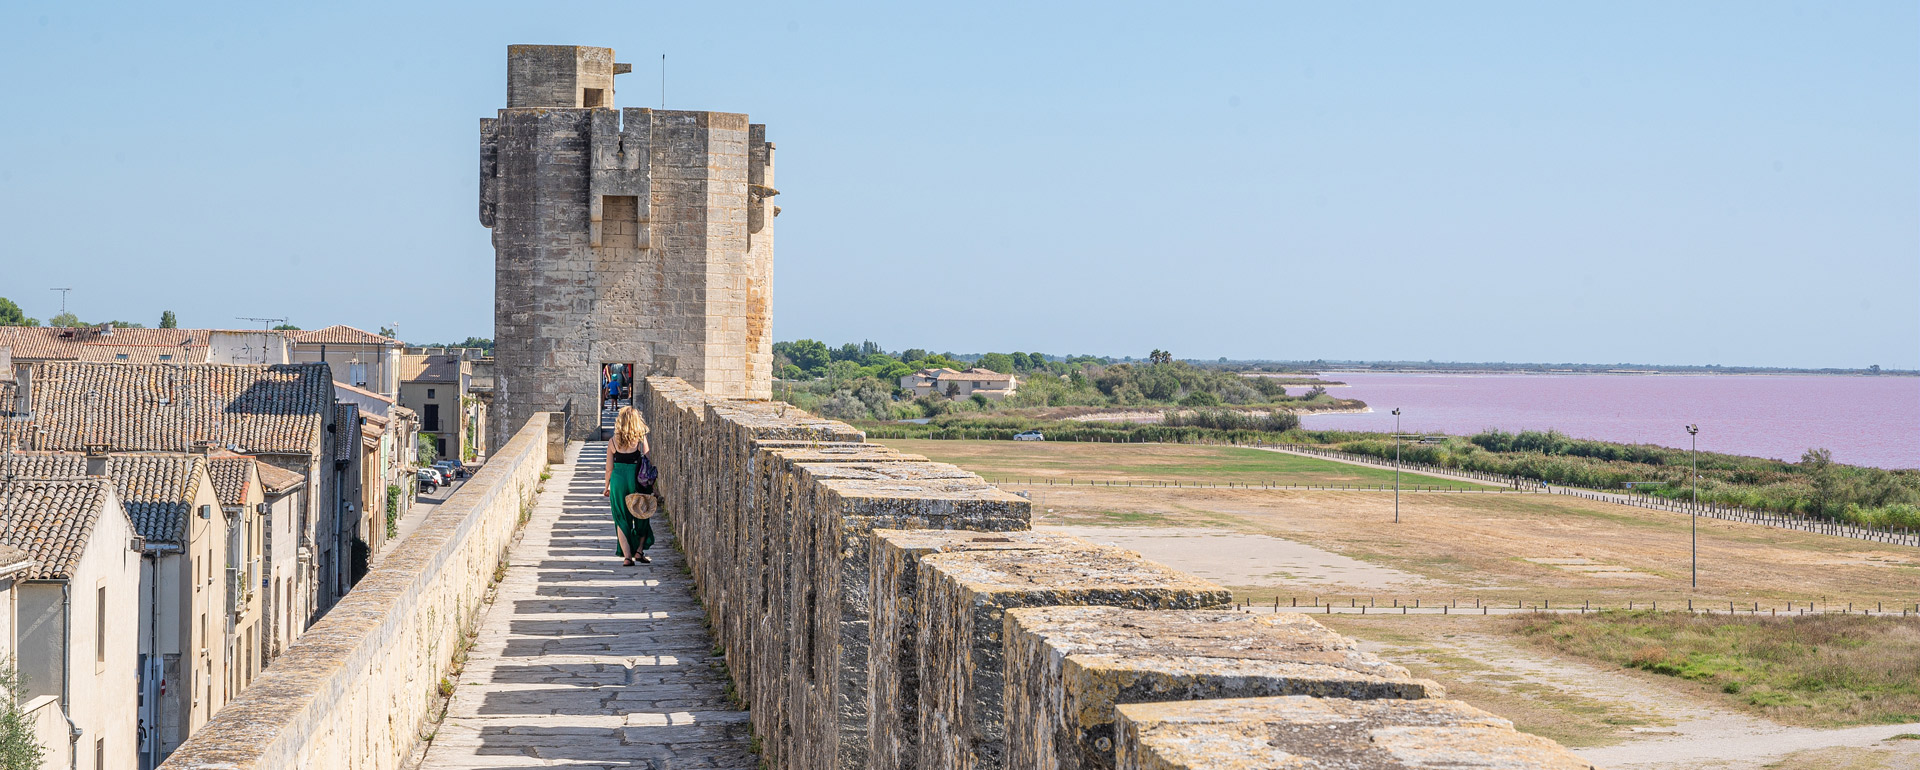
<point>1182,484</point>
<point>1419,606</point>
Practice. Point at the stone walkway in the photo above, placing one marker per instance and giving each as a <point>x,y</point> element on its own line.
<point>583,663</point>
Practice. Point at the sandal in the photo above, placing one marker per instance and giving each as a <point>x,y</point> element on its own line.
<point>628,562</point>
<point>644,559</point>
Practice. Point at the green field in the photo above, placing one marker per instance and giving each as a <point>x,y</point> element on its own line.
<point>1182,463</point>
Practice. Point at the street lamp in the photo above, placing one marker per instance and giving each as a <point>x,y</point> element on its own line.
<point>1396,465</point>
<point>1694,471</point>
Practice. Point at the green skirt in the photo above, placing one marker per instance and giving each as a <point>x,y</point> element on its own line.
<point>639,532</point>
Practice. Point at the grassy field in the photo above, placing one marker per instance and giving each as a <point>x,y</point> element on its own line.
<point>1818,670</point>
<point>1184,463</point>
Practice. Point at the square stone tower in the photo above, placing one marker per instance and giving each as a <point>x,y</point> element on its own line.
<point>621,236</point>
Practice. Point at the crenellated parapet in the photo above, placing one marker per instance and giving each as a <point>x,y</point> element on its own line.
<point>878,610</point>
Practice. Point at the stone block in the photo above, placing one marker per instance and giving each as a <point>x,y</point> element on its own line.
<point>964,597</point>
<point>1067,667</point>
<point>1305,732</point>
<point>830,577</point>
<point>893,660</point>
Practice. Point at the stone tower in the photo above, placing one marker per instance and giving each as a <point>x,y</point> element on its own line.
<point>621,236</point>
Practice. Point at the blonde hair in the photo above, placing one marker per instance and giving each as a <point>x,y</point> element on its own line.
<point>628,429</point>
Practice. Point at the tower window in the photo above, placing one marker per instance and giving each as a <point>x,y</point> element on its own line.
<point>592,97</point>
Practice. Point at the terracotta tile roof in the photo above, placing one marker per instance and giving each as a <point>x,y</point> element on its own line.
<point>230,475</point>
<point>975,374</point>
<point>362,391</point>
<point>341,334</point>
<point>157,490</point>
<point>345,415</point>
<point>52,519</point>
<point>276,480</point>
<point>429,368</point>
<point>276,409</point>
<point>11,557</point>
<point>43,465</point>
<point>39,343</point>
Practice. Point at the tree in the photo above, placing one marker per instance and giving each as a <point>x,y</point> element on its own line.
<point>428,449</point>
<point>19,748</point>
<point>848,352</point>
<point>387,331</point>
<point>953,390</point>
<point>996,362</point>
<point>286,328</point>
<point>1021,363</point>
<point>810,355</point>
<point>911,355</point>
<point>167,321</point>
<point>11,315</point>
<point>66,321</point>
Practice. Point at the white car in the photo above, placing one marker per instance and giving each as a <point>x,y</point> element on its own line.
<point>1031,435</point>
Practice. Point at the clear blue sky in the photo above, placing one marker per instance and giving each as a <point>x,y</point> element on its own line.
<point>1734,183</point>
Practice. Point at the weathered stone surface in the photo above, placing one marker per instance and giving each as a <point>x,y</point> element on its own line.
<point>893,661</point>
<point>585,663</point>
<point>620,236</point>
<point>1307,732</point>
<point>961,611</point>
<point>1068,666</point>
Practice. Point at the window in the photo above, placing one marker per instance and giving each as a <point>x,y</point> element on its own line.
<point>429,392</point>
<point>357,372</point>
<point>166,356</point>
<point>592,97</point>
<point>119,356</point>
<point>100,625</point>
<point>99,753</point>
<point>431,417</point>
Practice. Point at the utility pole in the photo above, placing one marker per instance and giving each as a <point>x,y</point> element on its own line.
<point>1693,469</point>
<point>1396,465</point>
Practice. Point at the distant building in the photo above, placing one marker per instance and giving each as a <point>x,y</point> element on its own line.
<point>358,358</point>
<point>439,388</point>
<point>74,649</point>
<point>948,382</point>
<point>389,437</point>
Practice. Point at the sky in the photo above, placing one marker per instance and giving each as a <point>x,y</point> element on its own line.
<point>1684,183</point>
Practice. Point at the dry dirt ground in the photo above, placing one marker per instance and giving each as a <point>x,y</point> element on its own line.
<point>1344,546</point>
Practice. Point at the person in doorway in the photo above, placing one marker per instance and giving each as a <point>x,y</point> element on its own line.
<point>624,456</point>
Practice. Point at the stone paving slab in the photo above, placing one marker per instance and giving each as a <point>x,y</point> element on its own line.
<point>583,663</point>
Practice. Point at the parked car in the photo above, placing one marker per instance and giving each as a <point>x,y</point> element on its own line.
<point>1031,435</point>
<point>428,479</point>
<point>452,469</point>
<point>439,476</point>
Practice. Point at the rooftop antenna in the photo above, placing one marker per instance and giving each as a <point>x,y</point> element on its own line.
<point>663,103</point>
<point>63,292</point>
<point>265,323</point>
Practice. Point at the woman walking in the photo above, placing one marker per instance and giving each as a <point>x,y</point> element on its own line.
<point>624,456</point>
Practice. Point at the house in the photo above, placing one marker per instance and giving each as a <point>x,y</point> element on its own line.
<point>948,382</point>
<point>106,344</point>
<point>42,714</point>
<point>236,481</point>
<point>186,599</point>
<point>358,358</point>
<point>71,644</point>
<point>437,387</point>
<point>281,415</point>
<point>389,436</point>
<point>286,518</point>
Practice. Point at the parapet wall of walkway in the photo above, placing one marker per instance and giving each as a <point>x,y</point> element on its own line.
<point>356,688</point>
<point>878,610</point>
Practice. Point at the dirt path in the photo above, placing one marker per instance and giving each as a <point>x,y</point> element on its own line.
<point>1681,731</point>
<point>1235,559</point>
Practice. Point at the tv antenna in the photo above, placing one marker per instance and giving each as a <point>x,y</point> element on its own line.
<point>265,323</point>
<point>663,96</point>
<point>63,292</point>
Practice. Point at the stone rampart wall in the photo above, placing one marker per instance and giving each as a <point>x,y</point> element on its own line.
<point>878,610</point>
<point>354,691</point>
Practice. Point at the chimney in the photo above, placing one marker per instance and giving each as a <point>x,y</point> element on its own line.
<point>106,329</point>
<point>202,448</point>
<point>22,405</point>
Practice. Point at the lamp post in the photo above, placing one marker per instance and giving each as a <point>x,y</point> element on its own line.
<point>1396,465</point>
<point>1693,469</point>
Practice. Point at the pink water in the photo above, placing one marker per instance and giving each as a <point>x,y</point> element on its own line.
<point>1864,420</point>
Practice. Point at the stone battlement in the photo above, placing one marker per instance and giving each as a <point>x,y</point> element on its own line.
<point>879,610</point>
